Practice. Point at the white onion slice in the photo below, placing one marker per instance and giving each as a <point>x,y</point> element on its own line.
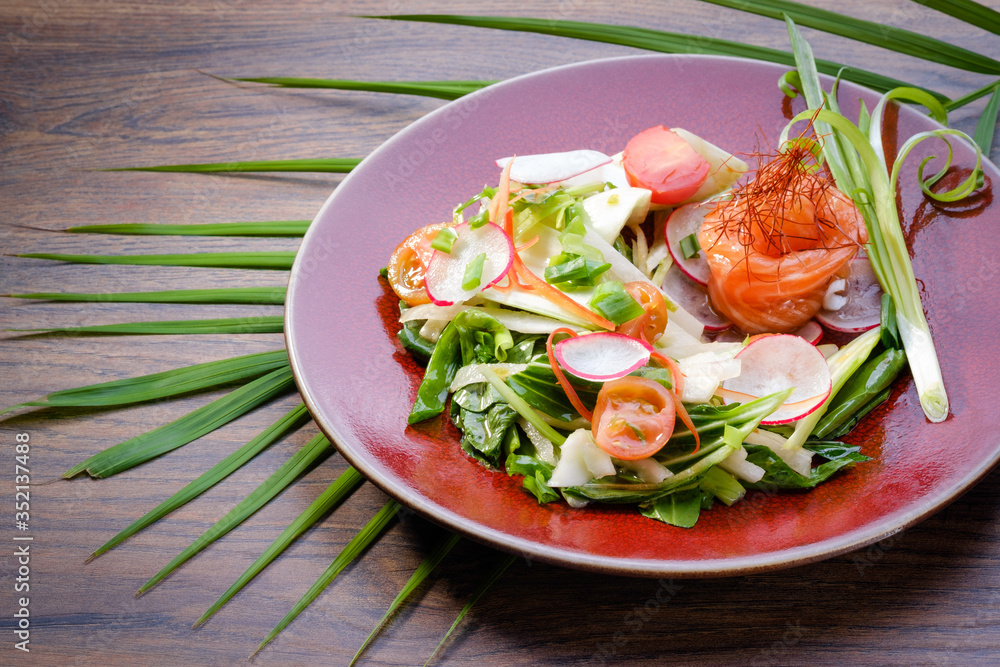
<point>552,167</point>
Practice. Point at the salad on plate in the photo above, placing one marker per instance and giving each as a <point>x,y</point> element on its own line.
<point>645,328</point>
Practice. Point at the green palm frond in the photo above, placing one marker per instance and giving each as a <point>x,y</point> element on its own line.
<point>313,452</point>
<point>887,37</point>
<point>225,325</point>
<point>501,566</point>
<point>271,228</point>
<point>294,418</point>
<point>423,570</point>
<point>988,122</point>
<point>370,533</point>
<point>445,90</point>
<point>163,384</point>
<point>191,426</point>
<point>655,40</point>
<point>318,165</point>
<point>224,295</point>
<point>343,486</point>
<point>968,11</point>
<point>280,260</point>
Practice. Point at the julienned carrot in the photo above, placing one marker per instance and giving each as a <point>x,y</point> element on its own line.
<point>571,394</point>
<point>678,376</point>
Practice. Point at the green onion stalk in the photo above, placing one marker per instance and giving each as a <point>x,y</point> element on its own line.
<point>856,161</point>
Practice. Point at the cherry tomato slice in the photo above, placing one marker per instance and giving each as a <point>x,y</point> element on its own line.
<point>650,325</point>
<point>408,264</point>
<point>660,161</point>
<point>633,418</point>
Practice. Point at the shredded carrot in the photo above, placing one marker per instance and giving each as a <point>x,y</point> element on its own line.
<point>500,205</point>
<point>574,399</point>
<point>678,389</point>
<point>557,297</point>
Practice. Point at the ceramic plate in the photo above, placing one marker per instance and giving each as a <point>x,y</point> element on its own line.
<point>359,384</point>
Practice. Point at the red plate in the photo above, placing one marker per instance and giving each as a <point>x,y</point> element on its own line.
<point>359,383</point>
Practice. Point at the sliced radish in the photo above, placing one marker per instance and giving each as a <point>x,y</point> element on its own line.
<point>811,331</point>
<point>682,223</point>
<point>446,271</point>
<point>553,167</point>
<point>693,298</point>
<point>773,363</point>
<point>613,172</point>
<point>602,356</point>
<point>862,301</point>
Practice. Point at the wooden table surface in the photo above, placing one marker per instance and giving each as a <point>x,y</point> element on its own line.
<point>84,86</point>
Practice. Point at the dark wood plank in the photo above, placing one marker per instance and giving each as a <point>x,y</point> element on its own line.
<point>84,86</point>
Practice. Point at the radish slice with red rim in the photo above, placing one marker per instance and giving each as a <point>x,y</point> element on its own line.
<point>811,331</point>
<point>862,308</point>
<point>693,298</point>
<point>446,271</point>
<point>773,363</point>
<point>602,356</point>
<point>553,167</point>
<point>682,223</point>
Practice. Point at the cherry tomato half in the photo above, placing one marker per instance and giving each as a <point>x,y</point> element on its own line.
<point>408,264</point>
<point>633,418</point>
<point>650,325</point>
<point>659,160</point>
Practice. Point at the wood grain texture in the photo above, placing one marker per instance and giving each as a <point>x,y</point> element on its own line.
<point>84,86</point>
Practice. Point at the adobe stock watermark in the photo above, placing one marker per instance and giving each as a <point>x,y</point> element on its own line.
<point>634,621</point>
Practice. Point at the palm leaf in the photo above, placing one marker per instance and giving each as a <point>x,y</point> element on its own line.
<point>289,471</point>
<point>322,165</point>
<point>227,325</point>
<point>971,97</point>
<point>988,122</point>
<point>349,480</point>
<point>370,533</point>
<point>655,40</point>
<point>968,11</point>
<point>445,90</point>
<point>244,295</point>
<point>423,570</point>
<point>163,384</point>
<point>269,228</point>
<point>887,37</point>
<point>295,417</point>
<point>191,426</point>
<point>281,260</point>
<point>494,574</point>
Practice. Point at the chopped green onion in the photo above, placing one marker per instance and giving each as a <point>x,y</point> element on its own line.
<point>474,272</point>
<point>614,303</point>
<point>857,164</point>
<point>576,270</point>
<point>479,219</point>
<point>690,247</point>
<point>445,239</point>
